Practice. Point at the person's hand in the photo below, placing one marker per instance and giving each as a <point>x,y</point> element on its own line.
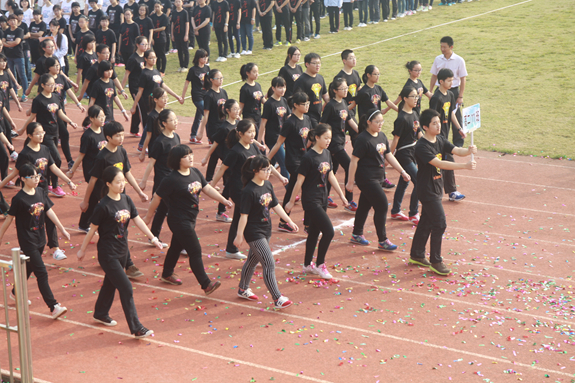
<point>81,255</point>
<point>344,201</point>
<point>284,180</point>
<point>349,186</point>
<point>147,219</point>
<point>199,136</point>
<point>462,133</point>
<point>293,226</point>
<point>83,206</point>
<point>126,115</point>
<point>405,176</point>
<point>239,241</point>
<point>19,107</point>
<point>288,207</point>
<point>112,59</point>
<point>28,112</point>
<point>142,156</point>
<point>81,107</point>
<point>66,234</point>
<point>69,174</point>
<point>228,203</point>
<point>196,33</point>
<point>186,38</point>
<point>238,26</point>
<point>72,185</point>
<point>143,184</point>
<point>181,100</point>
<point>73,125</point>
<point>144,197</point>
<point>10,146</point>
<point>156,242</point>
<point>225,29</point>
<point>253,21</point>
<point>204,160</point>
<point>125,94</point>
<point>471,165</point>
<point>472,149</point>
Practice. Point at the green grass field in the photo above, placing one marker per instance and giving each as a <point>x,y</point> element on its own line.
<point>518,59</point>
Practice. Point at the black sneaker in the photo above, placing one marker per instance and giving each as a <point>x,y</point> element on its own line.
<point>106,321</point>
<point>283,226</point>
<point>387,184</point>
<point>213,286</point>
<point>143,332</point>
<point>419,262</point>
<point>439,268</point>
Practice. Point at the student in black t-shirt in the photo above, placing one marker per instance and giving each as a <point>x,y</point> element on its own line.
<point>37,29</point>
<point>371,95</point>
<point>13,49</point>
<point>414,69</point>
<point>276,112</point>
<point>87,57</point>
<point>144,23</point>
<point>369,154</point>
<point>350,76</point>
<point>255,226</point>
<point>430,154</point>
<point>160,39</point>
<point>94,16</point>
<point>115,13</point>
<point>196,76</point>
<point>314,173</point>
<point>220,17</point>
<point>313,84</point>
<point>133,71</point>
<point>242,144</point>
<point>30,207</point>
<point>180,32</point>
<point>406,132</point>
<point>104,94</point>
<point>107,36</point>
<point>291,70</point>
<point>129,32</point>
<point>444,103</point>
<point>111,219</point>
<point>6,124</point>
<point>248,11</point>
<point>180,191</point>
<point>234,27</point>
<point>264,8</point>
<point>201,18</point>
<point>251,96</point>
<point>159,102</point>
<point>73,25</point>
<point>283,17</point>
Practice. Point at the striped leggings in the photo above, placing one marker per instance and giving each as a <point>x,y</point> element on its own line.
<point>260,253</point>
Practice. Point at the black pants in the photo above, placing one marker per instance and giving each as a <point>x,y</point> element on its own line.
<point>314,10</point>
<point>457,139</point>
<point>283,18</point>
<point>52,143</point>
<point>4,161</point>
<point>126,53</point>
<point>333,18</point>
<point>297,15</point>
<point>234,33</point>
<point>161,213</point>
<point>341,158</point>
<point>160,50</point>
<point>204,39</point>
<point>222,41</point>
<point>36,265</point>
<point>432,223</point>
<point>385,9</point>
<point>225,192</point>
<point>374,10</point>
<point>318,222</point>
<point>95,196</point>
<point>348,14</point>
<point>64,139</point>
<point>116,279</point>
<point>141,114</point>
<point>230,247</point>
<point>267,34</point>
<point>449,184</point>
<point>185,237</point>
<point>183,53</point>
<point>372,195</point>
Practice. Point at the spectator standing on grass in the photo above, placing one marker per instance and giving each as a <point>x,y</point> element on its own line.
<point>449,60</point>
<point>373,11</point>
<point>333,7</point>
<point>283,17</point>
<point>72,25</point>
<point>160,39</point>
<point>248,10</point>
<point>313,84</point>
<point>430,151</point>
<point>291,70</point>
<point>306,11</point>
<point>13,41</point>
<point>362,10</point>
<point>196,76</point>
<point>144,22</point>
<point>129,32</point>
<point>180,31</point>
<point>295,8</point>
<point>37,30</point>
<point>265,12</point>
<point>234,28</point>
<point>348,15</point>
<point>220,18</point>
<point>94,16</point>
<point>107,37</point>
<point>201,17</point>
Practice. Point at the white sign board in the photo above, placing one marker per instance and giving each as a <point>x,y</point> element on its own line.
<point>471,118</point>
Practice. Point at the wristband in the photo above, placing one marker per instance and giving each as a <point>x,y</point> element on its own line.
<point>155,239</point>
<point>123,110</point>
<point>78,104</point>
<point>226,24</point>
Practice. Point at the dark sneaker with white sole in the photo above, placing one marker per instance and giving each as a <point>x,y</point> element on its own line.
<point>106,321</point>
<point>143,332</point>
<point>439,268</point>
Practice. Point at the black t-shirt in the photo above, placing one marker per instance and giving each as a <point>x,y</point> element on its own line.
<point>160,150</point>
<point>5,86</point>
<point>41,159</point>
<point>145,25</point>
<point>219,10</point>
<point>46,109</point>
<point>73,23</point>
<point>106,158</point>
<point>220,137</point>
<point>179,20</point>
<point>94,19</point>
<point>11,35</point>
<point>247,11</point>
<point>353,83</point>
<point>371,152</point>
<point>159,22</point>
<point>61,24</point>
<point>90,145</point>
<point>252,97</point>
<point>134,7</point>
<point>336,114</point>
<point>421,90</point>
<point>276,113</point>
<point>167,4</point>
<point>104,93</point>
<point>30,213</point>
<point>150,79</point>
<point>295,132</point>
<point>85,61</point>
<point>182,195</point>
<point>113,219</point>
<point>429,177</point>
<point>234,7</point>
<point>235,159</point>
<point>444,104</point>
<point>264,5</point>
<point>150,127</point>
<point>128,34</point>
<point>256,202</point>
<point>368,98</point>
<point>33,42</point>
<point>200,14</point>
<point>61,86</point>
<point>25,30</point>
<point>406,127</point>
<point>80,38</point>
<point>315,168</point>
<point>92,76</point>
<point>40,68</point>
<point>212,103</point>
<point>196,77</point>
<point>290,75</point>
<point>135,65</point>
<point>315,88</point>
<point>114,15</point>
<point>107,37</point>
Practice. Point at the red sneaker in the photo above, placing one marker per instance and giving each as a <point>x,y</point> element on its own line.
<point>331,204</point>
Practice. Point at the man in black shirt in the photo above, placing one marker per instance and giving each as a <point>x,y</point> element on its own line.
<point>313,84</point>
<point>430,154</point>
<point>12,41</point>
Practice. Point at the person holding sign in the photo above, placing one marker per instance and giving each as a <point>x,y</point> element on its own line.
<point>430,153</point>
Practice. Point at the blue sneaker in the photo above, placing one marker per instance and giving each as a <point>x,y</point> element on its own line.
<point>456,196</point>
<point>359,240</point>
<point>387,245</point>
<point>331,204</point>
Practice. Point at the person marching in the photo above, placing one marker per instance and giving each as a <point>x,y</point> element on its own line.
<point>30,207</point>
<point>312,83</point>
<point>111,219</point>
<point>181,190</point>
<point>251,95</point>
<point>134,67</point>
<point>104,94</point>
<point>432,146</point>
<point>414,69</point>
<point>291,70</point>
<point>196,76</point>
<point>255,227</point>
<point>159,102</point>
<point>314,172</point>
<point>369,154</point>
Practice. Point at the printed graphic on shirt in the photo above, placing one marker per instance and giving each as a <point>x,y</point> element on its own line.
<point>303,132</point>
<point>41,164</point>
<point>415,126</point>
<point>352,90</point>
<point>323,170</point>
<point>258,95</point>
<point>4,86</point>
<point>316,88</point>
<point>157,79</point>
<point>265,200</point>
<point>440,156</point>
<point>58,88</point>
<point>375,99</point>
<point>381,150</point>
<point>36,211</point>
<point>221,101</point>
<point>194,188</point>
<point>201,76</point>
<point>101,146</point>
<point>122,217</point>
<point>109,92</point>
<point>53,108</point>
<point>295,76</point>
<point>446,107</point>
<point>119,165</point>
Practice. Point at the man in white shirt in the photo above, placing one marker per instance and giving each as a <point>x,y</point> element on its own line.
<point>456,63</point>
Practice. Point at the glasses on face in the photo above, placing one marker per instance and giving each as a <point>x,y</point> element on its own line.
<point>317,63</point>
<point>49,85</point>
<point>413,96</point>
<point>39,134</point>
<point>296,55</point>
<point>144,44</point>
<point>305,104</point>
<point>346,88</point>
<point>33,178</point>
<point>219,78</point>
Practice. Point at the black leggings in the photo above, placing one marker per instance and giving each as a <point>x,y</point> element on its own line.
<point>185,237</point>
<point>160,50</point>
<point>183,53</point>
<point>299,23</point>
<point>161,213</point>
<point>126,52</point>
<point>212,163</point>
<point>432,223</point>
<point>372,195</point>
<point>267,33</point>
<point>234,33</point>
<point>204,39</point>
<point>230,247</point>
<point>314,10</point>
<point>4,161</point>
<point>222,41</point>
<point>52,143</point>
<point>64,139</point>
<point>341,158</point>
<point>318,222</point>
<point>95,196</point>
<point>36,265</point>
<point>284,19</point>
<point>289,188</point>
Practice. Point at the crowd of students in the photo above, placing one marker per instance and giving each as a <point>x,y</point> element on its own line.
<point>297,131</point>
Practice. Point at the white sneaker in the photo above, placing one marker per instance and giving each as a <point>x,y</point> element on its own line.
<point>248,52</point>
<point>237,255</point>
<point>321,270</point>
<point>244,53</point>
<point>283,302</point>
<point>306,39</point>
<point>230,55</point>
<point>309,269</point>
<point>317,36</point>
<point>58,310</point>
<point>218,59</point>
<point>14,299</point>
<point>59,255</point>
<point>184,252</point>
<point>237,55</point>
<point>164,245</point>
<point>223,218</point>
<point>223,59</point>
<point>248,294</point>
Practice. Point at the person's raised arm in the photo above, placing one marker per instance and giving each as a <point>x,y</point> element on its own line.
<point>463,152</point>
<point>448,165</point>
<point>29,120</point>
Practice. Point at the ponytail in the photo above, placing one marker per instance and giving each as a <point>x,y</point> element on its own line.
<point>252,166</point>
<point>336,83</point>
<point>277,82</point>
<point>223,109</point>
<point>234,134</point>
<point>297,99</point>
<point>245,69</point>
<point>318,131</point>
<point>368,70</point>
<point>107,177</point>
<point>405,93</point>
<point>291,51</point>
<point>158,93</point>
<point>93,112</point>
<point>30,131</point>
<point>411,64</point>
<point>208,79</point>
<point>159,124</point>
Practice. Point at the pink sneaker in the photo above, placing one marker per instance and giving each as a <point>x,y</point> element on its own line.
<point>58,192</point>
